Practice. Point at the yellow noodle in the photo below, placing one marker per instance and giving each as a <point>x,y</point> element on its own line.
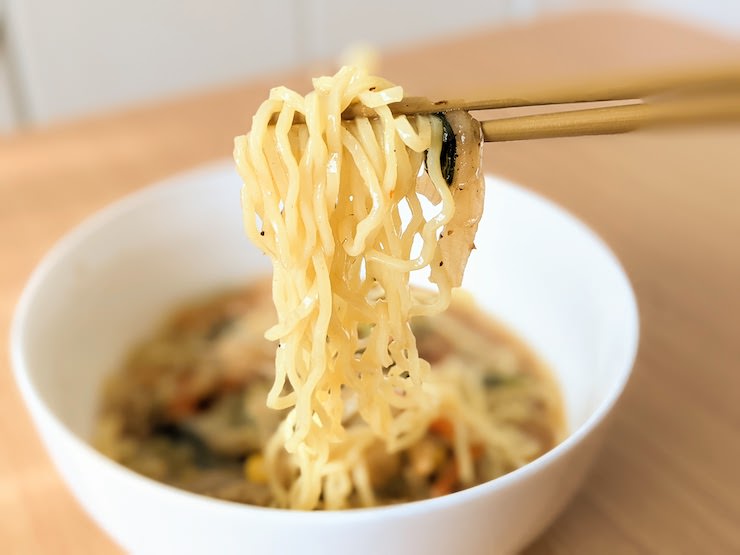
<point>335,205</point>
<point>323,201</point>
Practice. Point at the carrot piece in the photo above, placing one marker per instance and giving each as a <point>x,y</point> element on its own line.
<point>443,428</point>
<point>180,407</point>
<point>446,481</point>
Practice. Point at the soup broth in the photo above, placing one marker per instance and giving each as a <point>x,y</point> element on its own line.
<point>187,407</point>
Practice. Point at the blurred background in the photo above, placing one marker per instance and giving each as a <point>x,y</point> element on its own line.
<point>63,59</point>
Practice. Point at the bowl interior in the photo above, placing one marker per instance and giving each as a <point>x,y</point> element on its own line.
<point>110,282</point>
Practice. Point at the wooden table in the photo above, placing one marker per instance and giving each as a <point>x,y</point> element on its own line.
<point>668,203</point>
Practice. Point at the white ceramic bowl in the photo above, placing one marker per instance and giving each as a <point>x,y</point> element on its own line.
<point>109,282</point>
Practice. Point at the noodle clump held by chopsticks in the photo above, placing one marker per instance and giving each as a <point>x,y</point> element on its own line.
<point>338,206</point>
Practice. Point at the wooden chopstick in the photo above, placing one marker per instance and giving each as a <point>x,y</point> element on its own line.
<point>695,80</point>
<point>678,97</point>
<point>615,119</point>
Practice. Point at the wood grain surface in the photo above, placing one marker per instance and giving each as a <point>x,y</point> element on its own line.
<point>668,203</point>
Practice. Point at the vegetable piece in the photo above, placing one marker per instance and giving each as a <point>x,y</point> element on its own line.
<point>443,428</point>
<point>492,380</point>
<point>448,154</point>
<point>254,469</point>
<point>446,482</point>
<point>426,456</point>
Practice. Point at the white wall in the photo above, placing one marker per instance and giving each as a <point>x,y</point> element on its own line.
<point>75,57</point>
<point>7,108</point>
<point>80,56</point>
<point>332,25</point>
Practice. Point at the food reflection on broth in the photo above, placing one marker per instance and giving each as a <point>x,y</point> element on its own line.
<point>188,406</point>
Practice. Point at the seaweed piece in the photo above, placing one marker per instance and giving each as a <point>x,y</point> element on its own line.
<point>448,152</point>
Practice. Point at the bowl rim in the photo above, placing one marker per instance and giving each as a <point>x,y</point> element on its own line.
<point>41,411</point>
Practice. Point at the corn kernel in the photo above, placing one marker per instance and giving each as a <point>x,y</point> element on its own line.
<point>254,469</point>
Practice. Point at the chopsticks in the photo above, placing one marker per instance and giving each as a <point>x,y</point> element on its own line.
<point>687,81</point>
<point>615,119</point>
<point>691,96</point>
